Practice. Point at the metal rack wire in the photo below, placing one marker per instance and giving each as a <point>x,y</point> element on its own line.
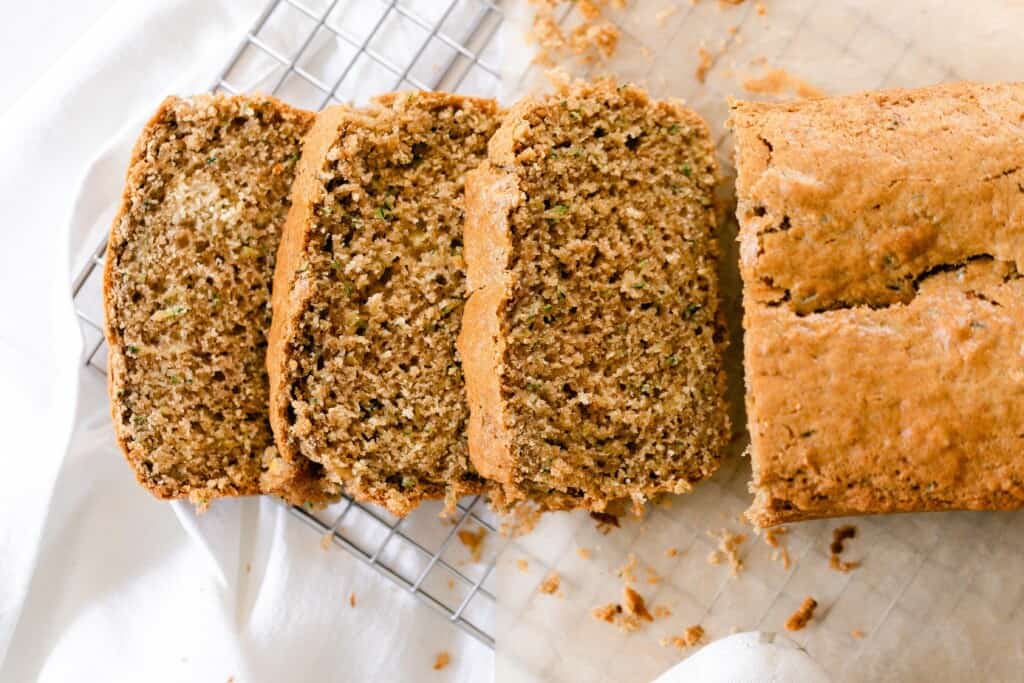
<point>314,53</point>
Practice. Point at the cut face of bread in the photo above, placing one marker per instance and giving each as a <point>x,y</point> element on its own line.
<point>368,298</point>
<point>187,292</point>
<point>592,339</point>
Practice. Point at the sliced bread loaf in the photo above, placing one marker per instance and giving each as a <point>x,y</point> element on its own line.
<point>187,293</point>
<point>368,298</point>
<point>592,340</point>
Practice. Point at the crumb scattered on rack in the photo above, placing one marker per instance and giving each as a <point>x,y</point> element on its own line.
<point>584,553</point>
<point>521,521</point>
<point>523,565</point>
<point>761,9</point>
<point>839,536</point>
<point>549,586</point>
<point>442,660</point>
<point>730,2</point>
<point>664,14</point>
<point>248,567</point>
<point>798,619</point>
<point>451,584</point>
<point>474,540</point>
<point>857,633</point>
<point>672,552</point>
<point>776,81</point>
<point>693,635</point>
<point>351,599</point>
<point>325,541</point>
<point>704,65</point>
<point>605,521</point>
<point>625,572</point>
<point>728,549</point>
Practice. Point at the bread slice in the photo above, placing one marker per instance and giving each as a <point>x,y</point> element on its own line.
<point>592,340</point>
<point>187,292</point>
<point>368,297</point>
<point>882,251</point>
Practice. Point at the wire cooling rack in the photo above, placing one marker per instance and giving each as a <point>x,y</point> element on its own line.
<point>314,53</point>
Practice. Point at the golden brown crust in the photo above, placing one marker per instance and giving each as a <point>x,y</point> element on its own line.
<point>169,464</point>
<point>289,293</point>
<point>881,249</point>
<point>490,195</point>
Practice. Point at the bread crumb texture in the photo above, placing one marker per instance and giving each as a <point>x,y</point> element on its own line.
<point>798,619</point>
<point>187,292</point>
<point>881,240</point>
<point>600,377</point>
<point>372,384</point>
<point>442,660</point>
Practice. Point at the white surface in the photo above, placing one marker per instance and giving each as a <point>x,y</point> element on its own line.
<point>98,581</point>
<point>939,596</point>
<point>754,657</point>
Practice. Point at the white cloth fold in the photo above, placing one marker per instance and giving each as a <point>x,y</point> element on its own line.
<point>99,581</point>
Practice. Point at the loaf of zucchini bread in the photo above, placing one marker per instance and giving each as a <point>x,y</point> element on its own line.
<point>592,339</point>
<point>882,239</point>
<point>366,382</point>
<point>187,294</point>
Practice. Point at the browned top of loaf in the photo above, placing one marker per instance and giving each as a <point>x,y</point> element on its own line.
<point>592,339</point>
<point>882,238</point>
<point>187,290</point>
<point>368,297</point>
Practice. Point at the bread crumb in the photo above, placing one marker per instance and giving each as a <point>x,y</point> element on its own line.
<point>733,30</point>
<point>451,584</point>
<point>664,14</point>
<point>782,555</point>
<point>857,633</point>
<point>693,635</point>
<point>798,619</point>
<point>550,584</point>
<point>523,565</point>
<point>771,535</point>
<point>606,612</point>
<point>442,660</point>
<point>605,521</point>
<point>521,521</point>
<point>761,9</point>
<point>474,540</point>
<point>834,562</point>
<point>777,81</point>
<point>730,2</point>
<point>728,549</point>
<point>662,612</point>
<point>584,553</point>
<point>634,603</point>
<point>839,536</point>
<point>625,572</point>
<point>593,40</point>
<point>704,65</point>
<point>325,541</point>
<point>248,567</point>
<point>672,552</point>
